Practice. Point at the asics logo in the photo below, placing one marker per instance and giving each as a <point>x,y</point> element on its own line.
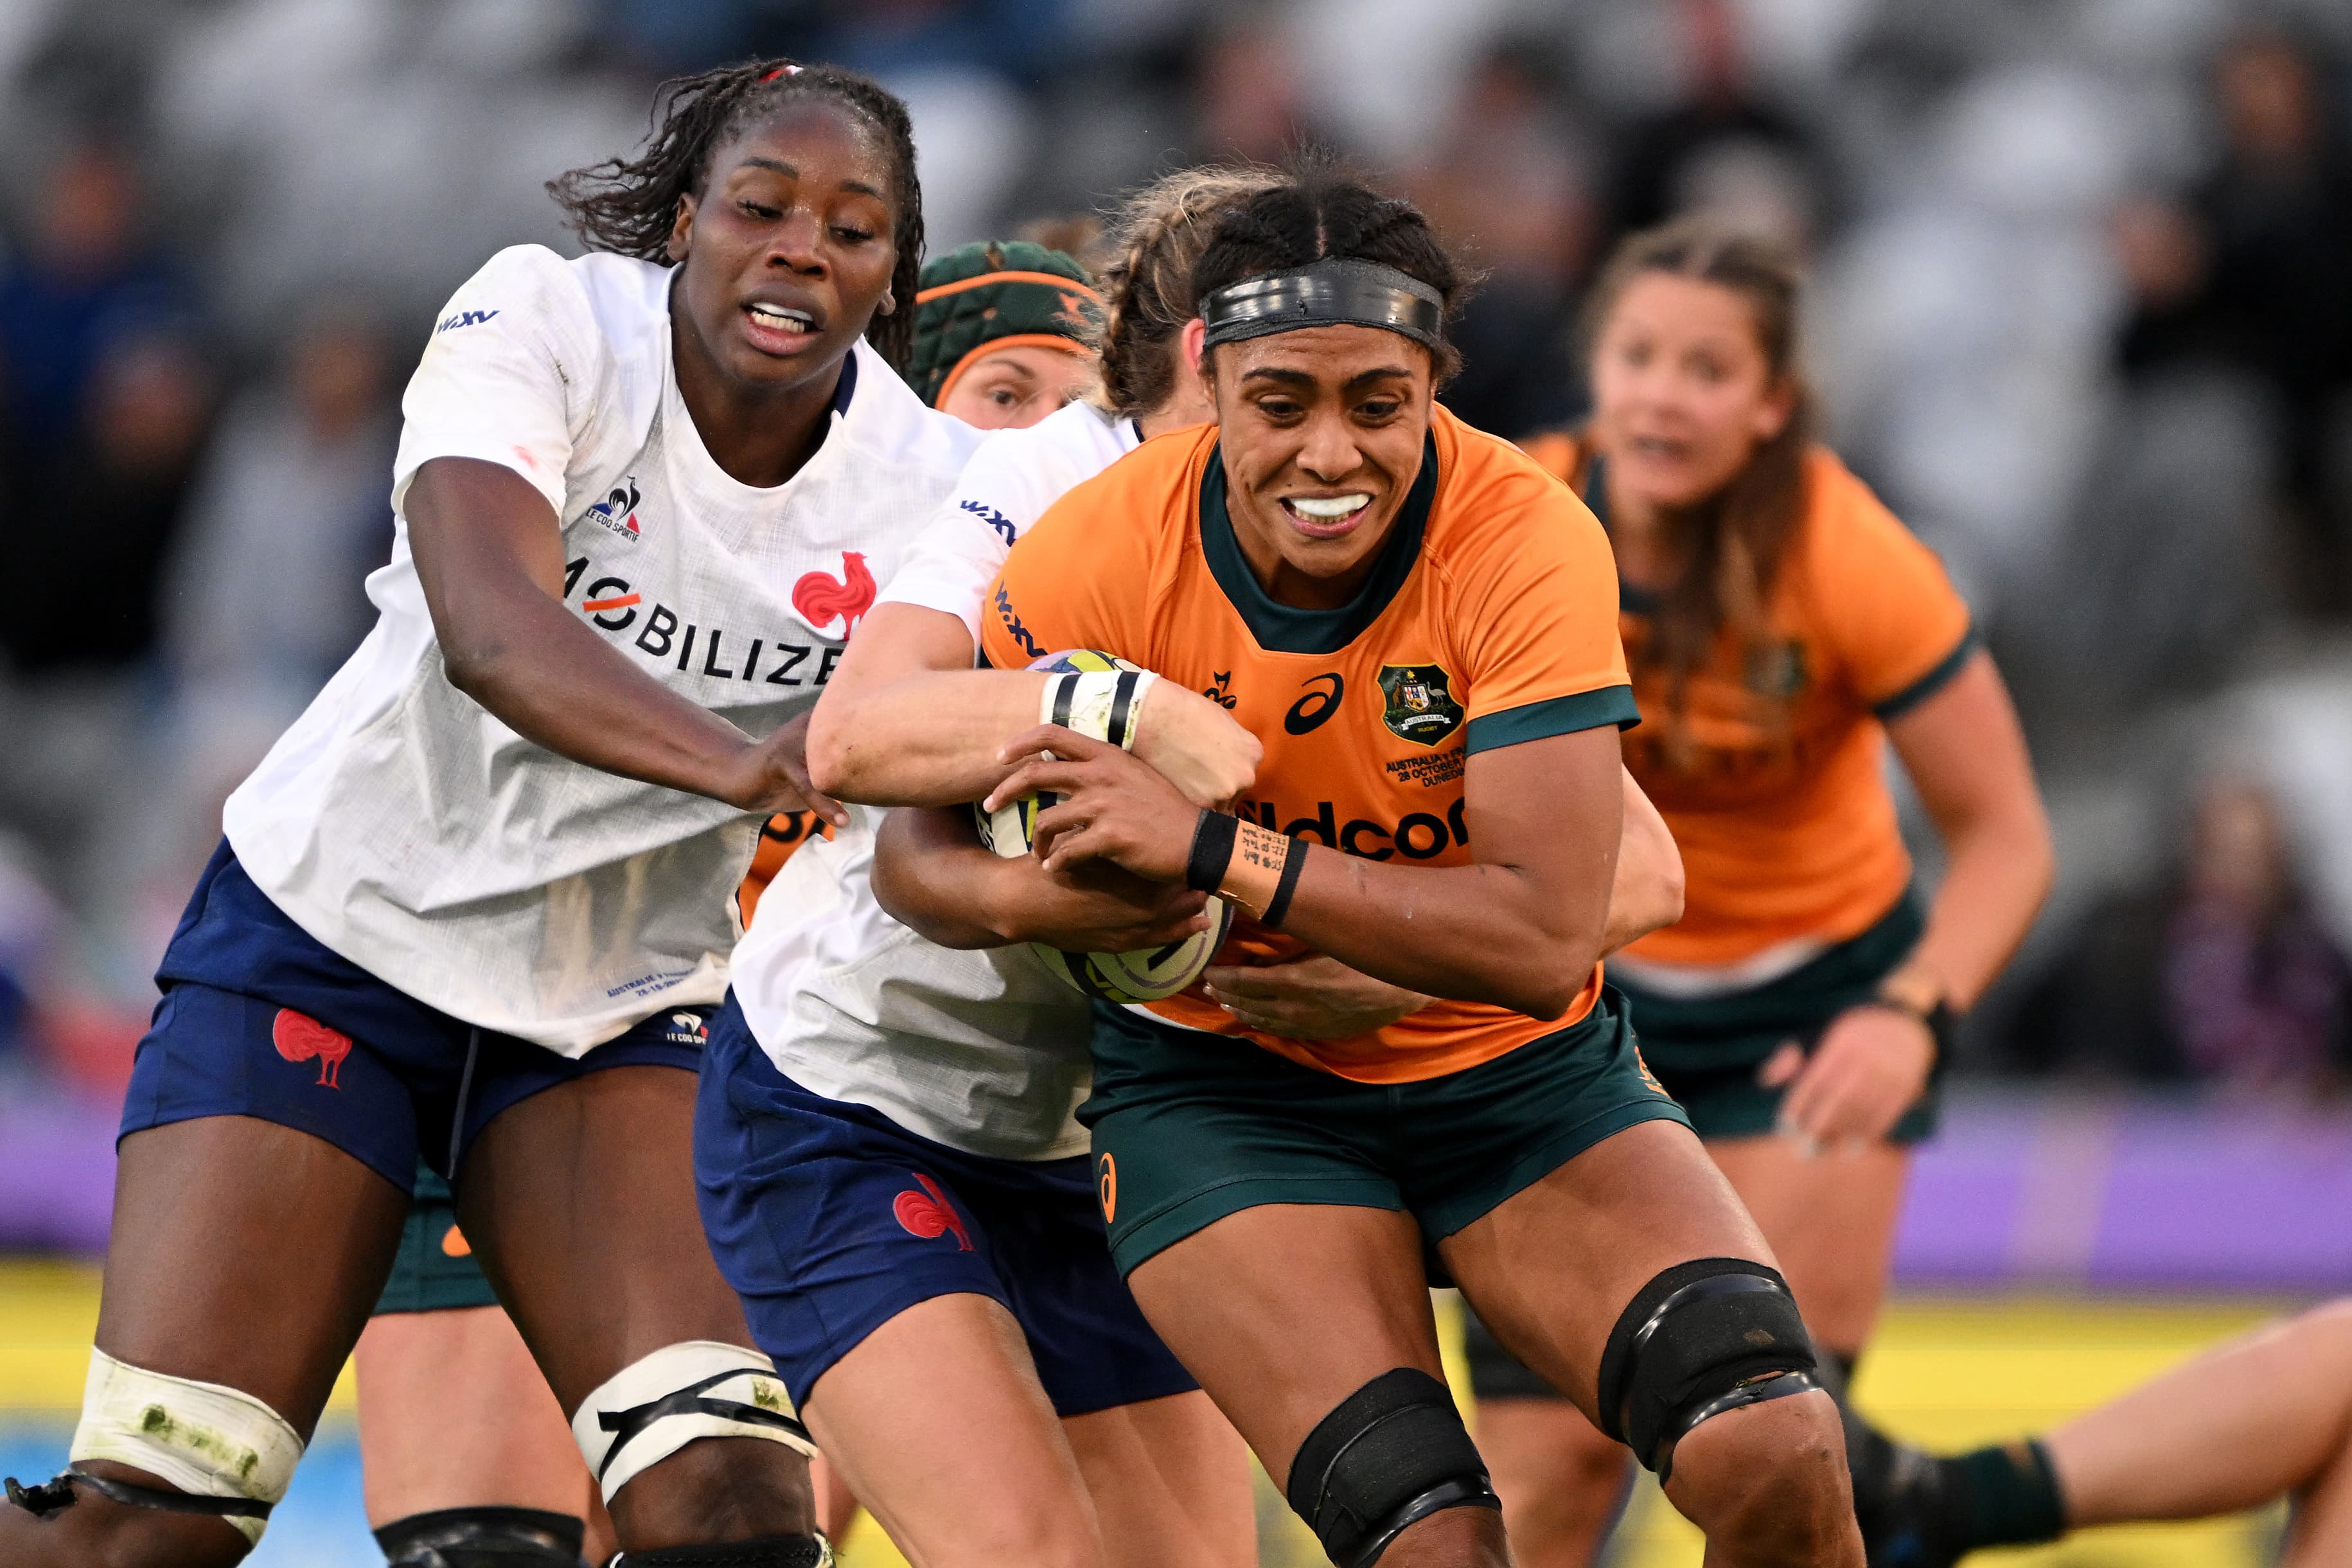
<point>1320,703</point>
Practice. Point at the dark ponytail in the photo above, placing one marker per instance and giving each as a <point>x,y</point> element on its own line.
<point>629,206</point>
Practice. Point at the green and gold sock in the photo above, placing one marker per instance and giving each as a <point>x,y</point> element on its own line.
<point>2008,1495</point>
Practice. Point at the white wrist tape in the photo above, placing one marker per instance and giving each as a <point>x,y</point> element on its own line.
<point>1106,704</point>
<point>204,1439</point>
<point>657,1404</point>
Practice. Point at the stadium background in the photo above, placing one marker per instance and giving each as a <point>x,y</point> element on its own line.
<point>2080,312</point>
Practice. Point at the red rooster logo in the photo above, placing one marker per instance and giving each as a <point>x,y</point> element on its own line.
<point>299,1039</point>
<point>928,1213</point>
<point>820,596</point>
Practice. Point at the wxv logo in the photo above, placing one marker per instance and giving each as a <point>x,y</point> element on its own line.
<point>991,515</point>
<point>464,318</point>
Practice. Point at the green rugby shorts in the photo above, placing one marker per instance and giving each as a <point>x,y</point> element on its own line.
<point>1190,1127</point>
<point>433,1272</point>
<point>1707,1050</point>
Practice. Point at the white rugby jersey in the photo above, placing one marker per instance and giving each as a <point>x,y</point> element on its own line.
<point>983,1051</point>
<point>404,827</point>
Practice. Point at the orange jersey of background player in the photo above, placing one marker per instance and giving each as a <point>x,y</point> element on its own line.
<point>1489,619</point>
<point>1772,775</point>
<point>781,837</point>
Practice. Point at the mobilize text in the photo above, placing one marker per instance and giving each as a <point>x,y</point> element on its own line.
<point>612,605</point>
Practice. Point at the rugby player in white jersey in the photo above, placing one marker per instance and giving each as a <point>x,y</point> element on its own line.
<point>1005,335</point>
<point>473,906</point>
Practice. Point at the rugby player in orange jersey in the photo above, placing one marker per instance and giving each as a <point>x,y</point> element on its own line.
<point>1420,628</point>
<point>889,731</point>
<point>1783,627</point>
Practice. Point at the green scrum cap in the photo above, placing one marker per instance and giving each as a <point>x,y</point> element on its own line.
<point>992,295</point>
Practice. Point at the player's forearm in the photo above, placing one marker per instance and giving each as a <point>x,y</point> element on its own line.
<point>1966,754</point>
<point>557,684</point>
<point>933,875</point>
<point>1996,876</point>
<point>1647,893</point>
<point>1474,934</point>
<point>489,557</point>
<point>929,739</point>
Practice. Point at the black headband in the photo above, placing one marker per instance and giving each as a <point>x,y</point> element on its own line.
<point>1338,291</point>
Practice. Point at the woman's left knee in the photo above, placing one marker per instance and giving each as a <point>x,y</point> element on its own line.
<point>1771,1476</point>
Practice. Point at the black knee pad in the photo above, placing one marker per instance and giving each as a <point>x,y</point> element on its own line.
<point>1702,1338</point>
<point>767,1551</point>
<point>1392,1452</point>
<point>483,1538</point>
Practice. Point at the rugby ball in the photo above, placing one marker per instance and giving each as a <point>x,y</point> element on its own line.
<point>1145,975</point>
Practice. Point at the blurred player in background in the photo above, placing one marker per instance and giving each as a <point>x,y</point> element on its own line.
<point>2266,1414</point>
<point>891,1173</point>
<point>1781,627</point>
<point>1003,337</point>
<point>524,803</point>
<point>1419,626</point>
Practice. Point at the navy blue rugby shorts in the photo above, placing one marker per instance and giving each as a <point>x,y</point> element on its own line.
<point>830,1220</point>
<point>260,1018</point>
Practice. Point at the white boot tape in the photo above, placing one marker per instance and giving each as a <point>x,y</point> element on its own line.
<point>205,1440</point>
<point>656,1406</point>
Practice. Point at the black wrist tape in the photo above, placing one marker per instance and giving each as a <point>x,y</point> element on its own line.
<point>1293,862</point>
<point>1212,851</point>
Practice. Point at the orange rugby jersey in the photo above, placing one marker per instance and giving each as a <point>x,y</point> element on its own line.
<point>781,837</point>
<point>1779,801</point>
<point>1489,619</point>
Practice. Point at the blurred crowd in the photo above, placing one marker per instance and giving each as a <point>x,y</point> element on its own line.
<point>2080,312</point>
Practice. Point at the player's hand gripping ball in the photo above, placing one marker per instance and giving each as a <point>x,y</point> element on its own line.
<point>1147,973</point>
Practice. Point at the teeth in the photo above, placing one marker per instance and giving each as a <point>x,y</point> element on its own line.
<point>780,318</point>
<point>1326,509</point>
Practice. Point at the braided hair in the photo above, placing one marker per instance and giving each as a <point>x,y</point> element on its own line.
<point>629,205</point>
<point>1323,210</point>
<point>1154,242</point>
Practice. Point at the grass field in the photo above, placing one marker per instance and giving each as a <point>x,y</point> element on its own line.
<point>1948,1372</point>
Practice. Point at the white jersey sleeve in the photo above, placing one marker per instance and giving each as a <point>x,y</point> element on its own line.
<point>509,375</point>
<point>1011,482</point>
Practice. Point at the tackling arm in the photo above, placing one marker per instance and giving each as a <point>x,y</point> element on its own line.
<point>490,555</point>
<point>907,721</point>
